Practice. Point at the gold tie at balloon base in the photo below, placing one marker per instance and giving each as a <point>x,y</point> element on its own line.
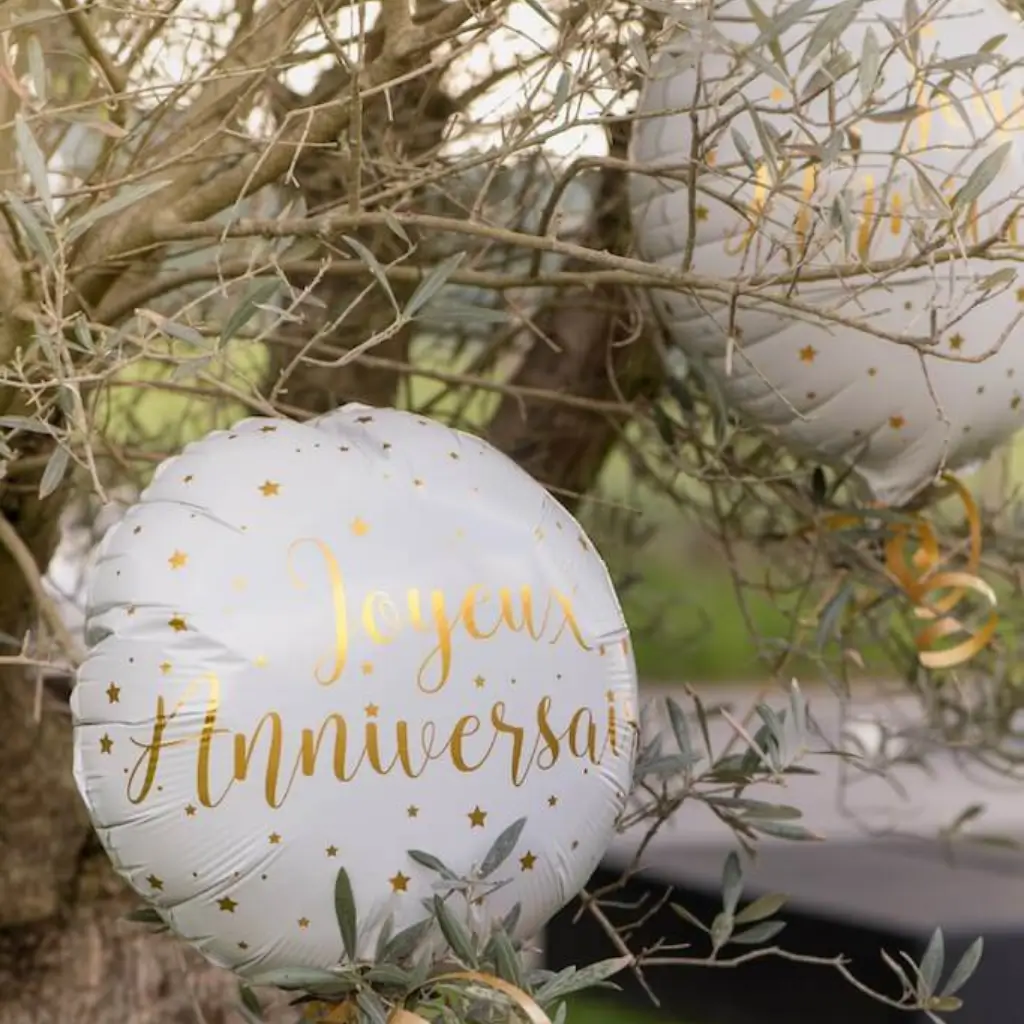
<point>936,579</point>
<point>521,1006</point>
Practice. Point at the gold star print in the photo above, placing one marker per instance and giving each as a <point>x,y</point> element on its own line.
<point>412,811</point>
<point>872,371</point>
<point>243,945</point>
<point>190,811</point>
<point>575,844</point>
<point>227,905</point>
<point>261,661</point>
<point>808,353</point>
<point>400,883</point>
<point>332,851</point>
<point>303,922</point>
<point>477,817</point>
<point>538,533</point>
<point>360,527</point>
<point>897,422</point>
<point>386,446</point>
<point>187,479</point>
<point>270,489</point>
<point>956,342</point>
<point>155,883</point>
<point>267,429</point>
<point>701,212</point>
<point>367,668</point>
<point>417,483</point>
<point>106,744</point>
<point>178,624</point>
<point>478,682</point>
<point>1020,294</point>
<point>165,667</point>
<point>552,801</point>
<point>778,94</point>
<point>371,710</point>
<point>131,610</point>
<point>527,861</point>
<point>137,530</point>
<point>453,455</point>
<point>274,838</point>
<point>1015,402</point>
<point>113,693</point>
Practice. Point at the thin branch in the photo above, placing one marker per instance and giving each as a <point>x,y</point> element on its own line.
<point>27,564</point>
<point>116,79</point>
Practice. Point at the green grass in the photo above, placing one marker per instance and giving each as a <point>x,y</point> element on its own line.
<point>596,1011</point>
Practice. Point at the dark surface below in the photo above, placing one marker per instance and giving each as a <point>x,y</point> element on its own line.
<point>857,899</point>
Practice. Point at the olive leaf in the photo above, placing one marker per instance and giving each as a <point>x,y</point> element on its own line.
<point>502,848</point>
<point>345,911</point>
<point>455,932</point>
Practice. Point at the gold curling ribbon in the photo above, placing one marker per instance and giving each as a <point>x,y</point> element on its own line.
<point>344,1013</point>
<point>920,579</point>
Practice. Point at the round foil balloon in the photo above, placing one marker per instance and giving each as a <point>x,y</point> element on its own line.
<point>855,169</point>
<point>324,645</point>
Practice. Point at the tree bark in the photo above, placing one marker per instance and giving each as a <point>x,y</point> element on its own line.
<point>589,343</point>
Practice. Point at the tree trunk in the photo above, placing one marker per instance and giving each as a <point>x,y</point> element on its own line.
<point>589,343</point>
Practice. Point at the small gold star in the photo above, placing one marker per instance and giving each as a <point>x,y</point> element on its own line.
<point>807,354</point>
<point>187,479</point>
<point>106,744</point>
<point>956,342</point>
<point>113,693</point>
<point>527,861</point>
<point>575,844</point>
<point>371,710</point>
<point>131,610</point>
<point>872,371</point>
<point>897,422</point>
<point>303,922</point>
<point>178,624</point>
<point>701,212</point>
<point>478,682</point>
<point>386,446</point>
<point>400,883</point>
<point>538,533</point>
<point>477,817</point>
<point>412,811</point>
<point>367,668</point>
<point>360,527</point>
<point>178,560</point>
<point>227,904</point>
<point>778,94</point>
<point>243,945</point>
<point>165,667</point>
<point>453,455</point>
<point>137,530</point>
<point>270,489</point>
<point>155,883</point>
<point>552,801</point>
<point>274,838</point>
<point>332,851</point>
<point>267,429</point>
<point>190,811</point>
<point>417,483</point>
<point>261,661</point>
<point>1015,402</point>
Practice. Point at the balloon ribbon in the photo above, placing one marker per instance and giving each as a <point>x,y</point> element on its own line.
<point>936,593</point>
<point>346,1013</point>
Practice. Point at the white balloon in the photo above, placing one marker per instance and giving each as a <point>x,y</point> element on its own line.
<point>814,376</point>
<point>322,646</point>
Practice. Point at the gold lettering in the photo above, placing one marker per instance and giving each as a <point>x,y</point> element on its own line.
<point>443,630</point>
<point>587,748</point>
<point>516,732</point>
<point>467,725</point>
<point>548,736</point>
<point>339,606</point>
<point>468,615</point>
<point>379,606</point>
<point>310,742</point>
<point>867,218</point>
<point>508,615</point>
<point>568,621</point>
<point>245,748</point>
